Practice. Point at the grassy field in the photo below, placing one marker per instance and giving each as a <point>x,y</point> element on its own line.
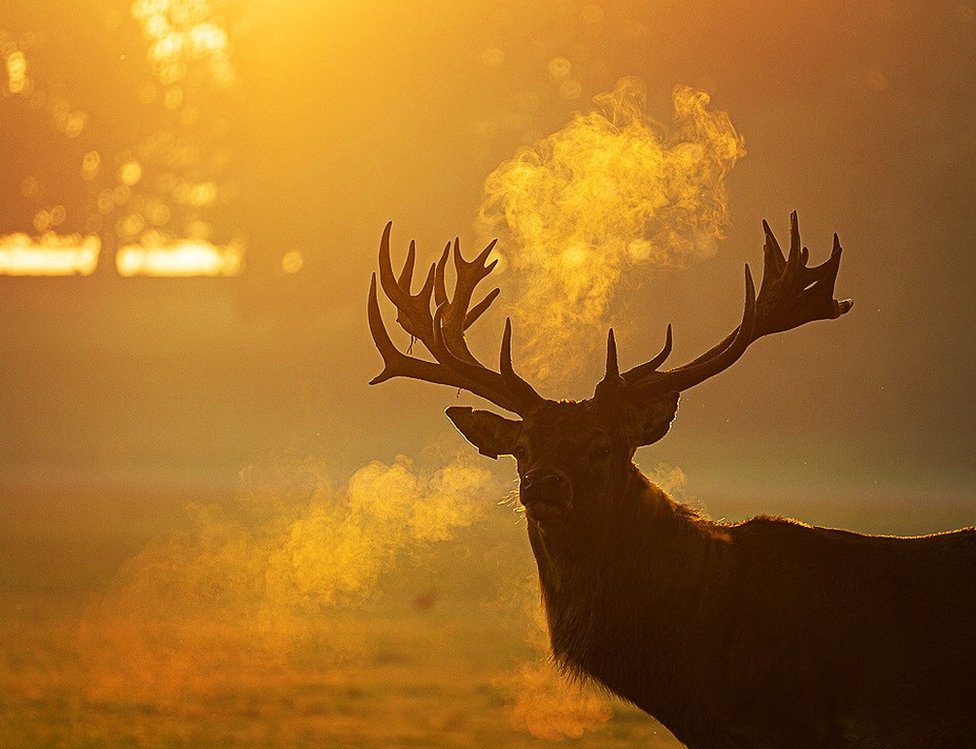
<point>111,635</point>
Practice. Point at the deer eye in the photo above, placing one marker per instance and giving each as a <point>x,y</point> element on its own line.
<point>601,452</point>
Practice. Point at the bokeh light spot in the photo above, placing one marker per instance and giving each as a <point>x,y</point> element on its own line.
<point>492,57</point>
<point>90,165</point>
<point>42,220</point>
<point>559,68</point>
<point>30,187</point>
<point>130,173</point>
<point>173,98</point>
<point>291,262</point>
<point>75,123</point>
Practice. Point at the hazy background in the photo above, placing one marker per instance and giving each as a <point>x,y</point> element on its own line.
<point>125,398</point>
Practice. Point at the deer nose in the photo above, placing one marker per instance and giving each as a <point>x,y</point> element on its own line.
<point>539,479</point>
<point>546,494</point>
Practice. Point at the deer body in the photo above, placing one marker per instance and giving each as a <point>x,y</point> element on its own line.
<point>770,633</point>
<point>767,633</point>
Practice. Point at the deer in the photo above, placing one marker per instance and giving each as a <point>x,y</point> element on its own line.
<point>762,633</point>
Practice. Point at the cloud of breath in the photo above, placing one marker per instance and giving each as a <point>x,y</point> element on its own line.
<point>246,582</point>
<point>609,193</point>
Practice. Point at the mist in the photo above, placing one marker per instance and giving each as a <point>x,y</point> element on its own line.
<point>213,531</point>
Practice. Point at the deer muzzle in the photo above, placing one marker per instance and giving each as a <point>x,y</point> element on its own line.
<point>546,494</point>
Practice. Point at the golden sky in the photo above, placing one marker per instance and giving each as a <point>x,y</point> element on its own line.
<point>213,531</point>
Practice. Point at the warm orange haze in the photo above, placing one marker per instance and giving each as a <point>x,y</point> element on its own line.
<point>213,532</point>
<point>763,633</point>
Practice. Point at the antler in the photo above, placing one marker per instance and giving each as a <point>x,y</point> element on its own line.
<point>442,332</point>
<point>790,295</point>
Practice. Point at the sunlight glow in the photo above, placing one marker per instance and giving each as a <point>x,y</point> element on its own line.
<point>181,258</point>
<point>50,255</point>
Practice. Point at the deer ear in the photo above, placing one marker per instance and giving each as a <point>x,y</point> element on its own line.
<point>492,434</point>
<point>650,421</point>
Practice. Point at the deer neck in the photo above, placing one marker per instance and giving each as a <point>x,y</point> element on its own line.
<point>649,577</point>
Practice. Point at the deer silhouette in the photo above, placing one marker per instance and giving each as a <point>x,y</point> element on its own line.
<point>765,633</point>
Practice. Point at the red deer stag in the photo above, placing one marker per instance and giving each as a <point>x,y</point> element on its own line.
<point>766,633</point>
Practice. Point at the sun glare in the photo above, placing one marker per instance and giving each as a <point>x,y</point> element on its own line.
<point>188,257</point>
<point>50,255</point>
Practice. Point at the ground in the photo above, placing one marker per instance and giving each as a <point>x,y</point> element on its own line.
<point>444,653</point>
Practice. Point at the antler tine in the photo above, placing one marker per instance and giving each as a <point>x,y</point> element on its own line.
<point>520,387</point>
<point>612,383</point>
<point>381,338</point>
<point>479,309</point>
<point>795,244</point>
<point>613,368</point>
<point>843,306</point>
<point>440,287</point>
<point>635,374</point>
<point>391,287</point>
<point>773,259</point>
<point>405,279</point>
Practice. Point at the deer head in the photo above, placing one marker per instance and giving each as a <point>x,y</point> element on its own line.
<point>572,456</point>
